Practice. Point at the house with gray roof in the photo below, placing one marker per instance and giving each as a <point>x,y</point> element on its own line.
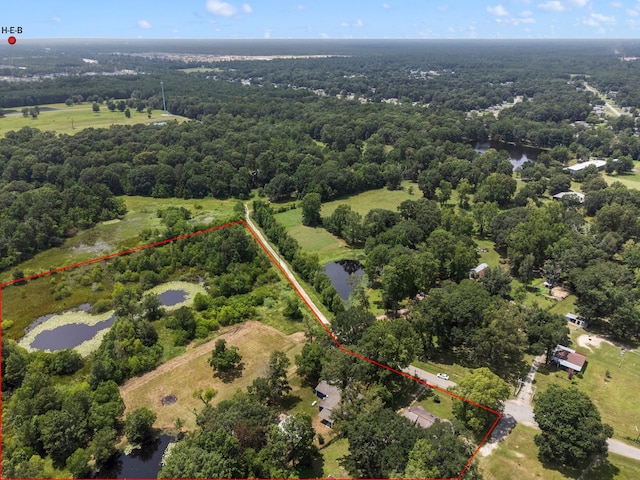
<point>330,396</point>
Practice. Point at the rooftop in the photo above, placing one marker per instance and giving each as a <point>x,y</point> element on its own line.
<point>567,357</point>
<point>581,166</point>
<point>420,416</point>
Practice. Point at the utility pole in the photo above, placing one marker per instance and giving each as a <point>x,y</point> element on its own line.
<point>164,105</point>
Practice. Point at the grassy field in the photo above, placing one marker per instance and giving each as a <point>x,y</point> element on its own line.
<point>516,457</point>
<point>381,198</point>
<point>329,247</point>
<point>116,235</point>
<point>182,375</point>
<point>616,396</point>
<point>63,119</point>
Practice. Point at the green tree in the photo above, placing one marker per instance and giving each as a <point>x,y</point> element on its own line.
<point>293,441</point>
<point>95,107</point>
<point>310,205</point>
<point>127,113</point>
<point>224,359</point>
<point>484,388</point>
<point>277,376</point>
<point>443,193</point>
<point>78,463</point>
<point>464,191</point>
<point>138,425</point>
<point>152,307</point>
<point>572,430</point>
<point>310,362</point>
<point>498,188</point>
<point>497,282</point>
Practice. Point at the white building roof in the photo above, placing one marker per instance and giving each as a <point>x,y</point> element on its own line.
<point>581,166</point>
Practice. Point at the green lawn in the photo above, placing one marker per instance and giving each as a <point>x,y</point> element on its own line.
<point>516,457</point>
<point>116,235</point>
<point>316,240</point>
<point>629,180</point>
<point>331,453</point>
<point>616,396</point>
<point>380,198</point>
<point>329,247</point>
<point>63,119</point>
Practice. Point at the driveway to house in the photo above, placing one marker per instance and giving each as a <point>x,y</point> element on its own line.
<point>428,377</point>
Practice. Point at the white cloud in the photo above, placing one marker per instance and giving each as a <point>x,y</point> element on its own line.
<point>616,4</point>
<point>267,33</point>
<point>324,35</point>
<point>498,11</point>
<point>300,7</point>
<point>144,24</point>
<point>443,8</point>
<point>597,19</point>
<point>562,5</point>
<point>56,19</point>
<point>552,6</point>
<point>632,13</point>
<point>221,9</point>
<point>246,8</point>
<point>386,6</point>
<point>357,24</point>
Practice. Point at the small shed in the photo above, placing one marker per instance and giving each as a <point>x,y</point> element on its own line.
<point>479,271</point>
<point>575,319</point>
<point>419,416</point>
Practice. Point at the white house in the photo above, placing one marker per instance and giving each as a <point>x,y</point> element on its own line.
<point>578,167</point>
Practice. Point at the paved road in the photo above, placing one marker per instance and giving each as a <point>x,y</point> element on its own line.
<point>428,377</point>
<point>519,410</point>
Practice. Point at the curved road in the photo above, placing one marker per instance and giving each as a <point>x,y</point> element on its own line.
<point>519,409</point>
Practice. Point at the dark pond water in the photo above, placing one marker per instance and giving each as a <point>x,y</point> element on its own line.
<point>339,273</point>
<point>172,297</point>
<point>518,154</point>
<point>83,307</point>
<point>69,336</point>
<point>142,463</point>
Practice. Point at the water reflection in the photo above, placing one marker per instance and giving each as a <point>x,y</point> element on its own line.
<point>339,274</point>
<point>141,463</point>
<point>69,336</point>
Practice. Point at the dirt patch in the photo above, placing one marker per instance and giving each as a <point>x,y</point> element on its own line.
<point>593,341</point>
<point>182,375</point>
<point>559,293</point>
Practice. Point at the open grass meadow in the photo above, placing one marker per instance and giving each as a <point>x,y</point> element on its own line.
<point>115,235</point>
<point>516,457</point>
<point>380,198</point>
<point>183,375</point>
<point>615,395</point>
<point>328,246</point>
<point>60,118</point>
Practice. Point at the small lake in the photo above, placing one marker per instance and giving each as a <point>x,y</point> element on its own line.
<point>340,272</point>
<point>141,463</point>
<point>518,154</point>
<point>173,297</point>
<point>69,336</point>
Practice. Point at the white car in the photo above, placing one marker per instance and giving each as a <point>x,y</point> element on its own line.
<point>443,376</point>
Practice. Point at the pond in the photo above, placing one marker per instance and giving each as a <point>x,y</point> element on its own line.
<point>341,272</point>
<point>69,336</point>
<point>141,463</point>
<point>169,298</point>
<point>518,154</point>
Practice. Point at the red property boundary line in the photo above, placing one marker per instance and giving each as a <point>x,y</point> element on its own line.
<point>295,288</point>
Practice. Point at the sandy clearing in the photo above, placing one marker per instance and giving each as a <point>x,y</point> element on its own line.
<point>182,375</point>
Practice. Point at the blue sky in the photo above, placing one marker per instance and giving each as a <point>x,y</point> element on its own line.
<point>323,18</point>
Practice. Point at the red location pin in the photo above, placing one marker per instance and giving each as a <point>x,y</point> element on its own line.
<point>12,40</point>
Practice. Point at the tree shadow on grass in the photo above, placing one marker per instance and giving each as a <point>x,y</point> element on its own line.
<point>593,469</point>
<point>290,401</point>
<point>315,469</point>
<point>229,376</point>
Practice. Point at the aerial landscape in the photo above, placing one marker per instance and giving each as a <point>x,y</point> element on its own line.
<point>321,241</point>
